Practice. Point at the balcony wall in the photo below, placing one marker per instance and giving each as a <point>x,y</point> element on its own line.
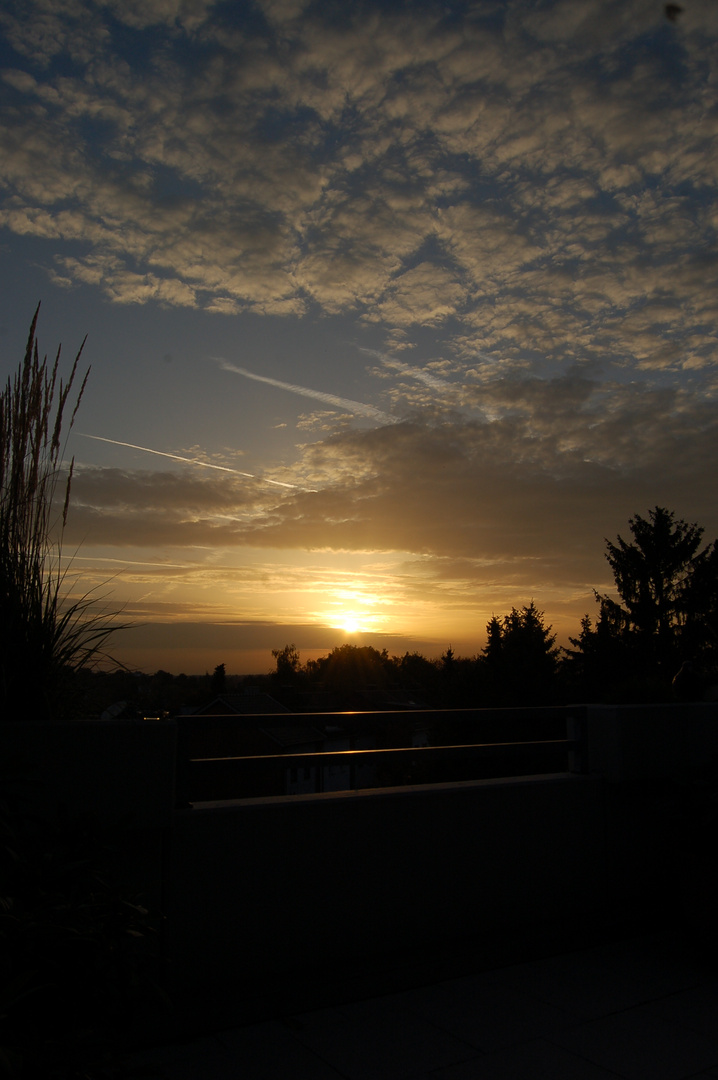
<point>320,891</point>
<point>282,892</point>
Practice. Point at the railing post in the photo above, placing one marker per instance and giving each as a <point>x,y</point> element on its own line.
<point>576,732</point>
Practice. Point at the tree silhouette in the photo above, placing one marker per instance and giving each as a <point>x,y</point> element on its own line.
<point>520,658</point>
<point>699,636</point>
<point>219,681</point>
<point>288,663</point>
<point>665,614</point>
<point>353,668</point>
<point>652,574</point>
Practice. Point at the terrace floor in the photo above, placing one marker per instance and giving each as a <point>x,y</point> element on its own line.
<point>645,1008</point>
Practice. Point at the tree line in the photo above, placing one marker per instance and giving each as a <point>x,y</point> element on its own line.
<point>655,641</point>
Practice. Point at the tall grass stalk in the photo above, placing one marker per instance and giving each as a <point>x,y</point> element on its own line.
<point>45,635</point>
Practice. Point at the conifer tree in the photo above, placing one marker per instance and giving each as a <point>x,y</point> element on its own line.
<point>666,611</point>
<point>520,658</point>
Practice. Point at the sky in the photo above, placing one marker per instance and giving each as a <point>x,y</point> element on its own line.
<point>394,311</point>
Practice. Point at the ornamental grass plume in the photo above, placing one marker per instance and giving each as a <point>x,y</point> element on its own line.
<point>45,636</point>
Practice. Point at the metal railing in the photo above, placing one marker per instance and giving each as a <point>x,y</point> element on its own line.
<point>211,779</point>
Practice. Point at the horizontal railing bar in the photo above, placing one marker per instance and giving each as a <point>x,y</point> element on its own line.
<point>377,715</point>
<point>322,757</point>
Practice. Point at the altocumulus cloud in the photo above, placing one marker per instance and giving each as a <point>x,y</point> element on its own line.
<point>533,178</point>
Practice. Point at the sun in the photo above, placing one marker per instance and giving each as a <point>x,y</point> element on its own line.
<point>355,610</point>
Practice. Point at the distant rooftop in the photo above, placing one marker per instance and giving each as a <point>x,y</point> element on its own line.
<point>241,704</point>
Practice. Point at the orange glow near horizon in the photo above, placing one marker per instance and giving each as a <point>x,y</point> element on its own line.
<point>349,599</point>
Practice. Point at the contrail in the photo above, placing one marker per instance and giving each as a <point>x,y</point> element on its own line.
<point>432,381</point>
<point>189,461</point>
<point>162,453</point>
<point>126,562</point>
<point>329,399</point>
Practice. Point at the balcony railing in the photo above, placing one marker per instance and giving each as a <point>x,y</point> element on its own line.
<point>204,779</point>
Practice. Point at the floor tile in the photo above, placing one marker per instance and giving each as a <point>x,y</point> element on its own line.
<point>489,1016</point>
<point>271,1050</point>
<point>696,1009</point>
<point>605,980</point>
<point>378,1040</point>
<point>204,1059</point>
<point>538,1060</point>
<point>482,989</point>
<point>645,1009</point>
<point>640,1045</point>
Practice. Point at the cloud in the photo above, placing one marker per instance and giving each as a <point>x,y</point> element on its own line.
<point>425,295</point>
<point>533,488</point>
<point>421,375</point>
<point>140,14</point>
<point>553,161</point>
<point>357,407</point>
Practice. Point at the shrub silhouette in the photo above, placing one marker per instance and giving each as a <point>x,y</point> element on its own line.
<point>44,635</point>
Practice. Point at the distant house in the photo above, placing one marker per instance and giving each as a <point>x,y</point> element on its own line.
<point>231,726</point>
<point>121,710</point>
<point>251,702</point>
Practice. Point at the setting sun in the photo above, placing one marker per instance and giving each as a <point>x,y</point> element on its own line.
<point>355,609</point>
